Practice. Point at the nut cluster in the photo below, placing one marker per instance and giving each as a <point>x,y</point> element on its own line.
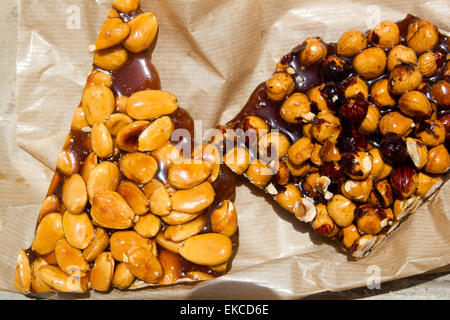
<point>363,143</point>
<point>125,208</point>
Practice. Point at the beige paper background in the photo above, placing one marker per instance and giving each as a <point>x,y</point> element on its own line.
<point>211,54</point>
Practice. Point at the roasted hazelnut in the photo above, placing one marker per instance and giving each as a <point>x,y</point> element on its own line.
<point>404,77</point>
<point>429,62</point>
<point>306,130</point>
<point>438,160</point>
<point>259,174</point>
<point>362,246</point>
<point>397,123</point>
<point>418,152</point>
<point>289,197</point>
<point>403,207</point>
<point>314,51</point>
<point>351,43</point>
<point>316,186</point>
<point>300,151</point>
<point>378,164</point>
<point>301,170</point>
<point>279,86</point>
<point>326,127</point>
<point>415,104</point>
<point>370,63</point>
<point>352,140</point>
<point>403,181</point>
<point>322,223</point>
<point>356,165</point>
<point>446,72</point>
<point>358,191</point>
<point>305,210</point>
<point>296,109</point>
<point>315,156</point>
<point>384,193</point>
<point>431,132</point>
<point>348,235</point>
<point>422,36</point>
<point>370,122</point>
<point>427,184</point>
<point>329,152</point>
<point>400,54</point>
<point>355,86</point>
<point>326,97</point>
<point>256,124</point>
<point>445,120</point>
<point>353,110</point>
<point>440,92</point>
<point>341,210</point>
<point>370,220</point>
<point>393,149</point>
<point>385,35</point>
<point>273,145</point>
<point>380,95</point>
<point>333,170</point>
<point>335,69</point>
<point>283,176</point>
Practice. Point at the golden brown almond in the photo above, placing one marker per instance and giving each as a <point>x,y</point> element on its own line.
<point>148,225</point>
<point>134,197</point>
<point>117,121</point>
<point>101,140</point>
<point>122,241</point>
<point>128,136</point>
<point>175,218</point>
<point>186,230</point>
<point>70,259</point>
<point>144,265</point>
<point>126,6</point>
<point>171,265</point>
<point>160,201</point>
<point>110,210</point>
<point>224,219</point>
<point>139,167</point>
<point>78,120</point>
<point>273,145</point>
<point>122,277</point>
<point>237,159</point>
<point>67,162</point>
<point>188,175</point>
<point>111,59</point>
<point>113,32</point>
<point>149,104</point>
<point>37,284</point>
<point>74,194</point>
<point>98,244</point>
<point>105,176</point>
<point>78,229</point>
<point>102,272</point>
<point>121,104</point>
<point>48,233</point>
<point>100,78</point>
<point>61,281</point>
<point>143,30</point>
<point>22,278</point>
<point>88,164</point>
<point>98,103</point>
<point>207,249</point>
<point>167,244</point>
<point>156,134</point>
<point>195,199</point>
<point>199,276</point>
<point>50,258</point>
<point>168,154</point>
<point>49,205</point>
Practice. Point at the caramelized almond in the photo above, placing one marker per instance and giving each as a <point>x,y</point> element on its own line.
<point>111,211</point>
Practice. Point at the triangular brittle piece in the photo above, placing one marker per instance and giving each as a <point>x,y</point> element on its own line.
<point>350,136</point>
<point>127,206</point>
